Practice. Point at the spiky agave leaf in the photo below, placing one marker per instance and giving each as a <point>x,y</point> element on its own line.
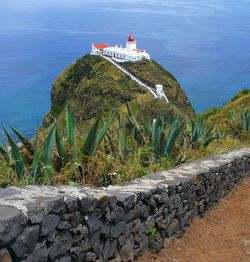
<point>122,140</point>
<point>234,130</point>
<point>122,143</point>
<point>5,154</point>
<point>130,113</point>
<point>36,155</point>
<point>173,134</point>
<point>19,162</point>
<point>131,117</point>
<point>234,116</point>
<point>90,142</point>
<point>70,129</point>
<point>48,170</point>
<point>220,134</point>
<point>101,134</point>
<point>60,144</point>
<point>147,125</point>
<point>209,137</point>
<point>195,132</point>
<point>48,146</point>
<point>157,132</point>
<point>110,142</point>
<point>245,119</point>
<point>137,132</point>
<point>198,132</point>
<point>70,125</point>
<point>26,143</point>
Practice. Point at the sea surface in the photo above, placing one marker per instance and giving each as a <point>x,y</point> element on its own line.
<point>205,44</point>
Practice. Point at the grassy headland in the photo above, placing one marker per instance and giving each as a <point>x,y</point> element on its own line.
<point>92,86</point>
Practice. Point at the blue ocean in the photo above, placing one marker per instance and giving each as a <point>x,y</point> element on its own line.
<point>205,44</point>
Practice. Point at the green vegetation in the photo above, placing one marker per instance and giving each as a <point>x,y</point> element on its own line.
<point>233,117</point>
<point>92,86</point>
<point>153,234</point>
<point>118,131</point>
<point>243,93</point>
<point>121,146</point>
<point>152,73</point>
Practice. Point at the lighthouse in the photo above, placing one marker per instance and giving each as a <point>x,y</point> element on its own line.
<point>120,54</point>
<point>131,43</point>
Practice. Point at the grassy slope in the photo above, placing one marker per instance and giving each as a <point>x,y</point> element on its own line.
<point>221,117</point>
<point>92,85</point>
<point>152,74</point>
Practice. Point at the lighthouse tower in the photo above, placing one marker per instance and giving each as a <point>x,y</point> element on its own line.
<point>131,43</point>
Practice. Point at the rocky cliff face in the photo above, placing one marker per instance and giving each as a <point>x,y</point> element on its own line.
<point>93,85</point>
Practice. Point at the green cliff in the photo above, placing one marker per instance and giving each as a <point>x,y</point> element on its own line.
<point>240,102</point>
<point>93,85</point>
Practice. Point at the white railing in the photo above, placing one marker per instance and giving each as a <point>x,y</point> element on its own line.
<point>138,81</point>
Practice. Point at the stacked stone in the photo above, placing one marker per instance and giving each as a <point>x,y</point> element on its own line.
<point>118,223</point>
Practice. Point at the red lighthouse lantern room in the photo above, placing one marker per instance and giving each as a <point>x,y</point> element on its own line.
<point>131,37</point>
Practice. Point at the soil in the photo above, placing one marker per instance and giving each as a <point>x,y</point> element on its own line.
<point>222,235</point>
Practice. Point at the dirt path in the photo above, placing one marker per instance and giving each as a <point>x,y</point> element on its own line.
<point>223,235</point>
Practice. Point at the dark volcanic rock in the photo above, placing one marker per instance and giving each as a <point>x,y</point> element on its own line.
<point>61,245</point>
<point>40,253</point>
<point>12,223</point>
<point>110,249</point>
<point>49,224</point>
<point>25,242</point>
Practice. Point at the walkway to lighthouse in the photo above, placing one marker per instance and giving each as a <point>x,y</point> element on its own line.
<point>138,81</point>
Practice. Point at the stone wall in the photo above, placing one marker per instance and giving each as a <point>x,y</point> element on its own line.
<point>118,223</point>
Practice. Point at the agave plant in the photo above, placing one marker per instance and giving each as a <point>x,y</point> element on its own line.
<point>70,131</point>
<point>200,133</point>
<point>47,151</point>
<point>158,127</point>
<point>19,164</point>
<point>39,161</point>
<point>245,120</point>
<point>234,116</point>
<point>122,140</point>
<point>147,125</point>
<point>175,130</point>
<point>25,141</point>
<point>162,143</point>
<point>135,127</point>
<point>36,155</point>
<point>220,134</point>
<point>241,121</point>
<point>5,154</point>
<point>96,136</point>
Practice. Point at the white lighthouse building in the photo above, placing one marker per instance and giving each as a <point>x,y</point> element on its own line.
<point>130,53</point>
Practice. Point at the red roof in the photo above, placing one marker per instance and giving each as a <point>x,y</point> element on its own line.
<point>101,46</point>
